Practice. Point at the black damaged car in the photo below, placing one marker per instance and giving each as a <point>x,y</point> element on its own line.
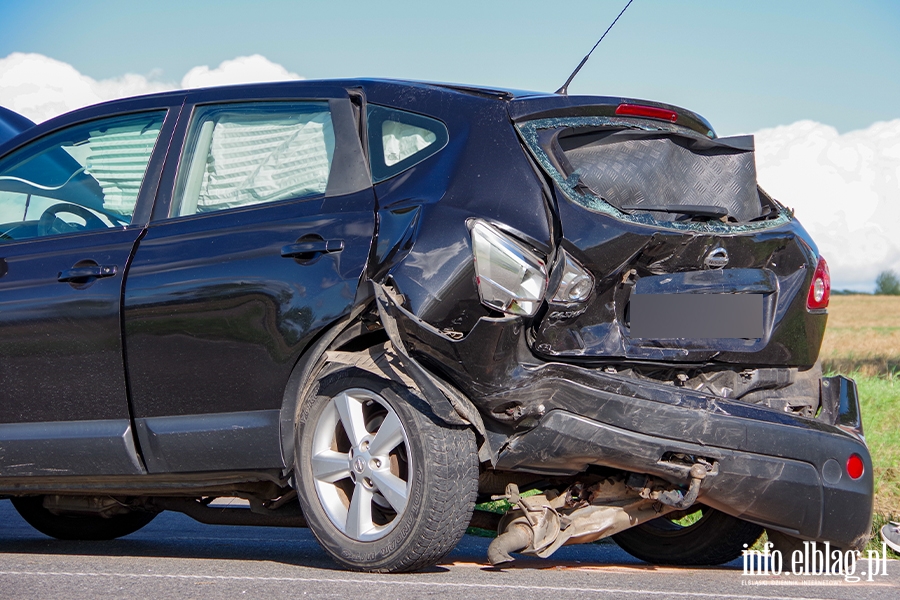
<point>366,305</point>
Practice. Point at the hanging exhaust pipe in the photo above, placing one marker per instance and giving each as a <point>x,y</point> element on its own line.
<point>516,538</point>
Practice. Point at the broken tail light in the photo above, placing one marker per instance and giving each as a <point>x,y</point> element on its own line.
<point>820,288</point>
<point>510,277</point>
<point>575,283</point>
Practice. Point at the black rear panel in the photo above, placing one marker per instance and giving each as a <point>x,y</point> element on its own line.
<point>692,262</point>
<point>627,260</point>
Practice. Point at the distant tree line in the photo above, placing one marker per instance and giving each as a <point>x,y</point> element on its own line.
<point>887,284</point>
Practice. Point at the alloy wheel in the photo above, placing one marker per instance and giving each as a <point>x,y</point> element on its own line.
<point>360,464</point>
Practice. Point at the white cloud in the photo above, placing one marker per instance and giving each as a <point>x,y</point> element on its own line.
<point>244,69</point>
<point>845,189</point>
<point>40,87</point>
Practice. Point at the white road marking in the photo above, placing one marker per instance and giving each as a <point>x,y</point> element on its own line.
<point>386,582</point>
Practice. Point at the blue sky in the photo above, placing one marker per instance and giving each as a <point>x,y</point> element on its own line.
<point>743,65</point>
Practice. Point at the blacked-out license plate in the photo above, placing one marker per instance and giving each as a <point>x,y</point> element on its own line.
<point>699,316</point>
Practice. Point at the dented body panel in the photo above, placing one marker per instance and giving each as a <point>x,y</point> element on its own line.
<point>774,263</point>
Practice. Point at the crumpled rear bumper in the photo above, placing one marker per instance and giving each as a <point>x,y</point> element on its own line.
<point>771,468</point>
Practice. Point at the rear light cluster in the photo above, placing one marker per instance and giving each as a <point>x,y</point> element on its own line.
<point>575,283</point>
<point>820,288</point>
<point>513,279</point>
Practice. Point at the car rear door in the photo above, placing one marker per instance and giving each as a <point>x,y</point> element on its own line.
<point>71,204</point>
<point>260,236</point>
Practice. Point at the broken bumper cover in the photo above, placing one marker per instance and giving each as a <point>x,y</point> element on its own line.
<point>770,468</point>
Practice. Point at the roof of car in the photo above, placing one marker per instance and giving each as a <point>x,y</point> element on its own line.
<point>499,93</point>
<point>524,104</point>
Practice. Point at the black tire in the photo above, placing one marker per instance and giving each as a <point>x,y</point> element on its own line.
<point>715,539</point>
<point>788,544</point>
<point>436,463</point>
<point>78,527</point>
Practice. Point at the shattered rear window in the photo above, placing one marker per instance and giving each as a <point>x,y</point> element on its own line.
<point>653,173</point>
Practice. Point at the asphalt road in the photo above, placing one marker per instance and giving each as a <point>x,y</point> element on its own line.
<point>175,557</point>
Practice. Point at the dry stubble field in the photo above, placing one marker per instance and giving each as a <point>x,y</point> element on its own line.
<point>863,335</point>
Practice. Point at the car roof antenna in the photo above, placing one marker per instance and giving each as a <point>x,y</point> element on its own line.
<point>564,90</point>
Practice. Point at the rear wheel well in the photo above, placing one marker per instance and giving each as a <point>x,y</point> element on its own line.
<point>358,331</point>
<point>357,335</point>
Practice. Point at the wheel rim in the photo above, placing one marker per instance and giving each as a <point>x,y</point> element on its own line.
<point>360,464</point>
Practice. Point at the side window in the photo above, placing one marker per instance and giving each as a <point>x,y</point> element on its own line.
<point>400,139</point>
<point>245,154</point>
<point>82,178</point>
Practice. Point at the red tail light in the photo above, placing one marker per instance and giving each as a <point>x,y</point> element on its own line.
<point>855,466</point>
<point>820,288</point>
<point>639,110</point>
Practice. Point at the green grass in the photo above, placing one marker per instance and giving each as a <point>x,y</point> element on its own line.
<point>879,399</point>
<point>689,519</point>
<point>880,405</point>
<point>501,506</point>
<point>495,506</point>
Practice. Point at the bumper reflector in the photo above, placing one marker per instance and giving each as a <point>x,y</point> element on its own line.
<point>855,466</point>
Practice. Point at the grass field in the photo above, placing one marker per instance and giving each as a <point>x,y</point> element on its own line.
<point>862,341</point>
<point>863,336</point>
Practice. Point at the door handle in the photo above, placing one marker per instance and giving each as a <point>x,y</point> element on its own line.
<point>88,272</point>
<point>309,248</point>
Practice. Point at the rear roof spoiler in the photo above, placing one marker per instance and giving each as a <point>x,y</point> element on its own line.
<point>555,105</point>
<point>12,124</point>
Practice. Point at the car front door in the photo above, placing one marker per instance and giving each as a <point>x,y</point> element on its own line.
<point>67,207</point>
<point>260,244</point>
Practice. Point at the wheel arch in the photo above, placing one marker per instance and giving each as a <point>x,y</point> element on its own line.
<point>442,399</point>
<point>308,365</point>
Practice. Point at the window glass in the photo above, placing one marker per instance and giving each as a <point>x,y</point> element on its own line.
<point>82,178</point>
<point>399,139</point>
<point>245,154</point>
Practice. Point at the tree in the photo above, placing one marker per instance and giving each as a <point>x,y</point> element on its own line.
<point>887,283</point>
